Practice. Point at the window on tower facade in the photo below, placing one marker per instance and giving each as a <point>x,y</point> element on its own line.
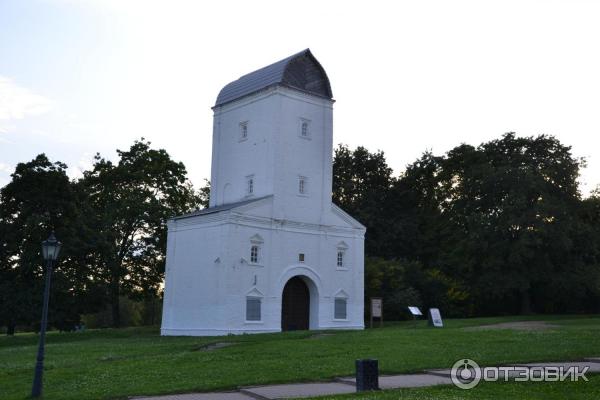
<point>243,130</point>
<point>304,128</point>
<point>254,254</point>
<point>249,185</point>
<point>340,258</point>
<point>302,185</point>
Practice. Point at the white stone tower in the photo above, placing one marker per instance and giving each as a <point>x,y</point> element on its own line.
<point>271,252</point>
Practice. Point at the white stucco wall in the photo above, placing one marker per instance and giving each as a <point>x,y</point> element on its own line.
<point>209,274</point>
<point>274,152</point>
<point>208,271</point>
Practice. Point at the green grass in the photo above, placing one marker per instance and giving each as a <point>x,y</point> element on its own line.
<point>491,391</point>
<point>111,364</point>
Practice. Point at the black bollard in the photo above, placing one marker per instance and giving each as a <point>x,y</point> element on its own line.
<point>367,375</point>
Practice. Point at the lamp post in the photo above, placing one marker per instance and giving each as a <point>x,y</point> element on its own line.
<point>50,250</point>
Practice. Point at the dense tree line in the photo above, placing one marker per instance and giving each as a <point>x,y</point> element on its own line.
<point>113,226</point>
<point>497,228</point>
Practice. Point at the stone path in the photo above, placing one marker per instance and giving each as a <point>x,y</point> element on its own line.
<point>348,385</point>
<point>298,390</point>
<point>405,381</point>
<point>521,326</point>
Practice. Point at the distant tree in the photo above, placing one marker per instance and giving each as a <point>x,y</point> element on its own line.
<point>361,183</point>
<point>512,204</point>
<point>586,251</point>
<point>387,279</point>
<point>40,198</point>
<point>414,213</point>
<point>132,201</point>
<point>204,194</point>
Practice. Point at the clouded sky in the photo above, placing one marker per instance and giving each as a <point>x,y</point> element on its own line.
<point>87,76</point>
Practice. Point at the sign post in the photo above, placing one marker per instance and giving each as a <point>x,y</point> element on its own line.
<point>377,310</point>
<point>415,311</point>
<point>435,318</point>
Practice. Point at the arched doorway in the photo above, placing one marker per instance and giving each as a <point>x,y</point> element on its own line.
<point>295,305</point>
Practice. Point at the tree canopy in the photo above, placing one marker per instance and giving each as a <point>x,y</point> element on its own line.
<point>481,230</point>
<point>113,226</point>
<point>501,227</point>
<point>131,202</point>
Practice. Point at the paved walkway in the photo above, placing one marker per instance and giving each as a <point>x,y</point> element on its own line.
<point>348,385</point>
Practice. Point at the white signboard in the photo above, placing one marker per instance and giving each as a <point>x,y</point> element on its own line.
<point>376,307</point>
<point>415,311</point>
<point>436,317</point>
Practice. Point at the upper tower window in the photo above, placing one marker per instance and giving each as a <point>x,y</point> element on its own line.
<point>243,130</point>
<point>302,185</point>
<point>249,185</point>
<point>304,128</point>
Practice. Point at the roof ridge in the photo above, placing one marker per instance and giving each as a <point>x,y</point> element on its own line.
<point>219,208</point>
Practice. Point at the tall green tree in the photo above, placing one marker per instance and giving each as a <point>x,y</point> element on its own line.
<point>40,198</point>
<point>204,194</point>
<point>132,201</point>
<point>512,204</point>
<point>361,182</point>
<point>413,212</point>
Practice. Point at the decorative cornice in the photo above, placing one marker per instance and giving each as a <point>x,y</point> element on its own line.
<point>232,217</point>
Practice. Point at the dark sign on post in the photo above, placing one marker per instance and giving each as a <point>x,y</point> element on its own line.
<point>435,318</point>
<point>377,310</point>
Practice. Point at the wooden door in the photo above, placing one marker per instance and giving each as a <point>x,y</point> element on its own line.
<point>295,307</point>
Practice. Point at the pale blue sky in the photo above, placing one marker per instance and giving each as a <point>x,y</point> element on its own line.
<point>79,77</point>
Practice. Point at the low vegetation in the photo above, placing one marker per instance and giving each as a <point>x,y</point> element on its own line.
<point>116,363</point>
<point>579,390</point>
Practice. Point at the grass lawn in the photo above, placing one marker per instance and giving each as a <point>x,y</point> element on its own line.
<point>491,391</point>
<point>108,364</point>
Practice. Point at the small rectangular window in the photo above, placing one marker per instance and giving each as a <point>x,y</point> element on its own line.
<point>303,187</point>
<point>250,185</point>
<point>253,306</point>
<point>243,130</point>
<point>301,257</point>
<point>305,129</point>
<point>340,259</point>
<point>340,309</point>
<point>254,254</point>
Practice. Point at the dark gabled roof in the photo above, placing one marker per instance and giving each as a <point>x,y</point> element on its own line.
<point>224,207</point>
<point>301,71</point>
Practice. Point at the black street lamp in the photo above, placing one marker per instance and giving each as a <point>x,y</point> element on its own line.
<point>50,250</point>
